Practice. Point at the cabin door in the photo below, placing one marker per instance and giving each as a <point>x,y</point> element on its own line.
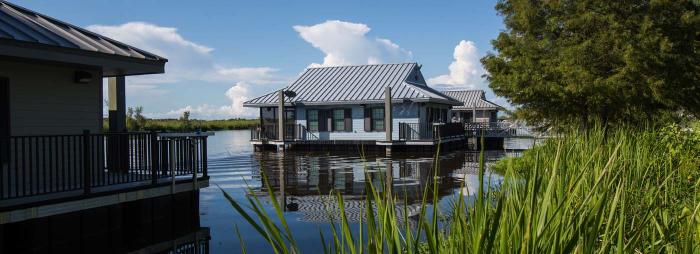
<point>290,122</point>
<point>4,121</point>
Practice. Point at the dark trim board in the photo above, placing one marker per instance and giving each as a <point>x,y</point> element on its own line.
<point>4,107</point>
<point>4,122</point>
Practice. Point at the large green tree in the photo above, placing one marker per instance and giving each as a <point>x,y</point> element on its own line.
<point>575,62</point>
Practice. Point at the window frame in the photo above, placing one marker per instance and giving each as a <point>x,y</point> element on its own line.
<point>334,120</point>
<point>373,126</point>
<point>309,121</point>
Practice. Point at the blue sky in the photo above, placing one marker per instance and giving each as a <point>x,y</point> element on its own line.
<point>224,52</point>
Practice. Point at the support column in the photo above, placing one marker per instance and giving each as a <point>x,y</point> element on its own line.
<point>117,146</point>
<point>280,116</point>
<point>117,103</point>
<point>388,116</point>
<point>473,113</point>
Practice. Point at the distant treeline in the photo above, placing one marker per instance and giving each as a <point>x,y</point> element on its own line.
<point>135,121</point>
<point>174,125</point>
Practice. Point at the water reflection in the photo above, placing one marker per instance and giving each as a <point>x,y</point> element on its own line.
<point>302,182</point>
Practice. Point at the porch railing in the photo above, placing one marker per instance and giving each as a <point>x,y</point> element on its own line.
<point>491,129</point>
<point>413,131</point>
<point>416,131</point>
<point>269,132</point>
<point>448,130</point>
<point>263,132</point>
<point>92,163</point>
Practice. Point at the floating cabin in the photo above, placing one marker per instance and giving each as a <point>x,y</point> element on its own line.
<point>66,185</point>
<point>373,107</point>
<point>475,109</point>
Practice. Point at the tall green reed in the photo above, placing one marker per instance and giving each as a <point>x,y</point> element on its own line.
<point>620,191</point>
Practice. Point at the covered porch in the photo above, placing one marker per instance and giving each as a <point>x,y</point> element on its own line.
<point>53,80</point>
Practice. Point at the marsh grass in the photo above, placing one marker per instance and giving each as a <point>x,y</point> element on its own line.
<point>191,125</point>
<point>623,191</point>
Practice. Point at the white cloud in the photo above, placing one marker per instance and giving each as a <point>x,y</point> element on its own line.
<point>346,43</point>
<point>465,70</point>
<point>237,94</point>
<point>187,61</point>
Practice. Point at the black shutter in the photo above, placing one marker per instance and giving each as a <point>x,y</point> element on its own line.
<point>368,119</point>
<point>322,124</point>
<point>348,119</point>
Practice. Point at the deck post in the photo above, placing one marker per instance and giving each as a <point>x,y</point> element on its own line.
<point>118,147</point>
<point>473,113</point>
<point>87,171</point>
<point>280,116</point>
<point>155,167</point>
<point>117,103</point>
<point>388,118</point>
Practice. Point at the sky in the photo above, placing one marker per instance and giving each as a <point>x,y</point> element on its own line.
<point>222,53</point>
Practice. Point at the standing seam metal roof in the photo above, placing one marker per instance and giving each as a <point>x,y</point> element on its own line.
<point>356,84</point>
<point>20,24</point>
<point>472,98</point>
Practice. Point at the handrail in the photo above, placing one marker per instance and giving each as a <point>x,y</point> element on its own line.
<point>49,164</point>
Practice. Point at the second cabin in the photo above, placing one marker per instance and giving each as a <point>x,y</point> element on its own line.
<point>387,106</point>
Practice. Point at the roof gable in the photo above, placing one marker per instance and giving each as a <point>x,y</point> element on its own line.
<point>357,84</point>
<point>471,99</point>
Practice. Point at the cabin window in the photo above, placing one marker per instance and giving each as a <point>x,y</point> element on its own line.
<point>312,120</point>
<point>339,120</point>
<point>377,119</point>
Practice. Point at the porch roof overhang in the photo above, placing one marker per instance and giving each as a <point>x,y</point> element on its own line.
<point>110,65</point>
<point>29,36</point>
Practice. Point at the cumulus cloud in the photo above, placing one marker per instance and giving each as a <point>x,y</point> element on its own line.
<point>465,70</point>
<point>346,43</point>
<point>237,94</point>
<point>187,61</point>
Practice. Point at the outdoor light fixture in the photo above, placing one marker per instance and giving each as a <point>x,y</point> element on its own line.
<point>290,94</point>
<point>82,77</point>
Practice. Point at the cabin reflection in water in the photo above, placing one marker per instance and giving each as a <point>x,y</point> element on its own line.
<point>302,182</point>
<point>167,224</point>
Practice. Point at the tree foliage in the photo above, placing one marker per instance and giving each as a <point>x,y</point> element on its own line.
<point>583,61</point>
<point>135,119</point>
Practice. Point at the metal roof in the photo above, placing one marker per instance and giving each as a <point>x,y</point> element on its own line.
<point>357,84</point>
<point>471,98</point>
<point>18,24</point>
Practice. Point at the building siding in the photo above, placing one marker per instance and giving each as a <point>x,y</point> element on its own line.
<point>44,99</point>
<point>404,112</point>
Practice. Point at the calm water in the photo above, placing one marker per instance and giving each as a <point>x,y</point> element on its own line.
<point>302,181</point>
